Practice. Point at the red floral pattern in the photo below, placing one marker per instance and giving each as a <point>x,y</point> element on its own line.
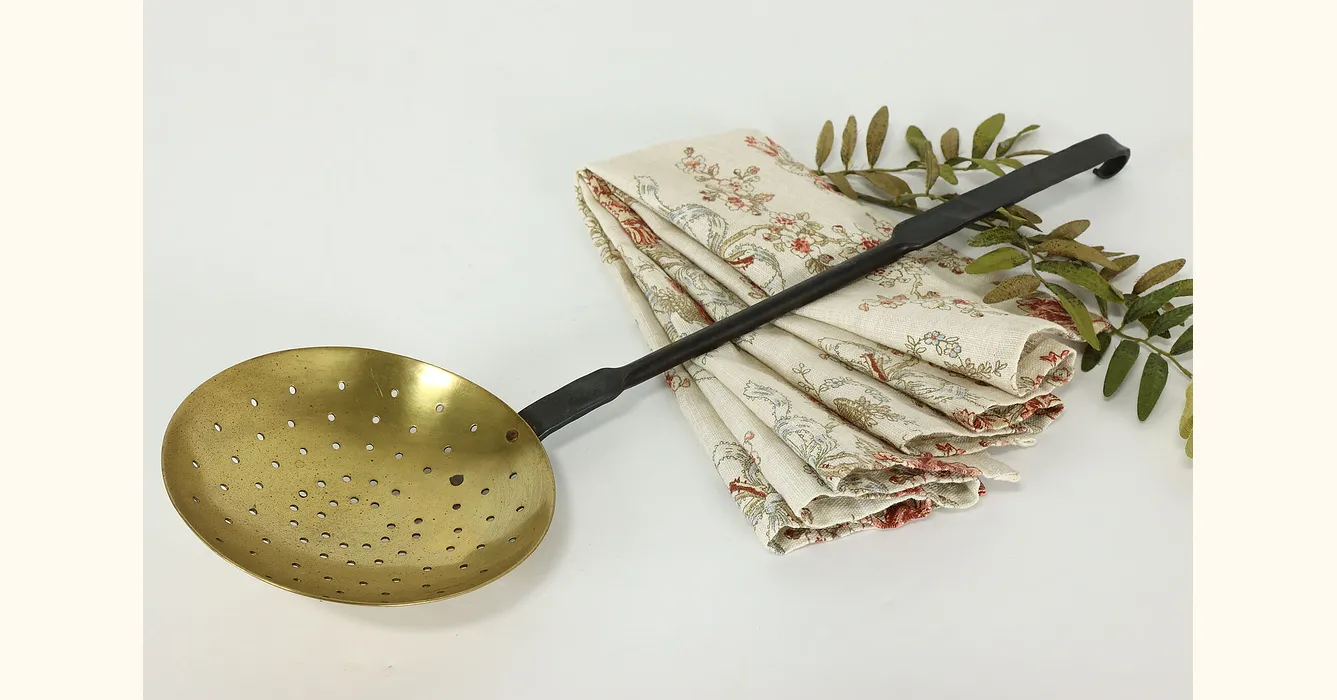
<point>833,409</point>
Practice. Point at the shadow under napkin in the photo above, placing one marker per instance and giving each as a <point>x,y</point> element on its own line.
<point>866,409</point>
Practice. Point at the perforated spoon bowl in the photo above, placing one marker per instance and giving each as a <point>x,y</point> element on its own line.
<point>360,476</point>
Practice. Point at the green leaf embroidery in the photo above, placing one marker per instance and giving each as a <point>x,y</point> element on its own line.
<point>1184,343</point>
<point>1154,373</point>
<point>1091,354</point>
<point>1156,275</point>
<point>1120,363</point>
<point>1012,288</point>
<point>1082,276</point>
<point>877,134</point>
<point>1077,310</point>
<point>994,260</point>
<point>985,134</point>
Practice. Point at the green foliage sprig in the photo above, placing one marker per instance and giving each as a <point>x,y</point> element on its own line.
<point>1148,312</point>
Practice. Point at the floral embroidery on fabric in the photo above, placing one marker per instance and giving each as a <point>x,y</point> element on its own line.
<point>676,381</point>
<point>864,411</point>
<point>951,347</point>
<point>930,301</point>
<point>868,410</point>
<point>738,192</point>
<point>787,162</point>
<point>1051,310</point>
<point>635,227</point>
<point>597,235</point>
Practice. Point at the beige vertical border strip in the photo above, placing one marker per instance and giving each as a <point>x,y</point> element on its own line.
<point>1263,557</point>
<point>71,331</point>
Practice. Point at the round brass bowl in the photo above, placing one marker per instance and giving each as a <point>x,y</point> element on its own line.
<point>358,476</point>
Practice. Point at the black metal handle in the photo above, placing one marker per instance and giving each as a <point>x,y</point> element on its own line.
<point>574,400</point>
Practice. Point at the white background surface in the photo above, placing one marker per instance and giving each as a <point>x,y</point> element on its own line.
<point>400,176</point>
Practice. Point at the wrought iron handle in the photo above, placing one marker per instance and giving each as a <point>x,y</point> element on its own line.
<point>597,388</point>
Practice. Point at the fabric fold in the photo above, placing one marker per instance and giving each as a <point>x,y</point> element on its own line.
<point>864,410</point>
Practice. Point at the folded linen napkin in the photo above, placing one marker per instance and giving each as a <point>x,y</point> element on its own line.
<point>864,410</point>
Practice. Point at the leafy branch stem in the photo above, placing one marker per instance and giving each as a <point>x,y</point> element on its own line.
<point>856,171</point>
<point>1152,346</point>
<point>898,204</point>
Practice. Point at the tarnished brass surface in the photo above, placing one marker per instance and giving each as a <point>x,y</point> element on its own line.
<point>358,476</point>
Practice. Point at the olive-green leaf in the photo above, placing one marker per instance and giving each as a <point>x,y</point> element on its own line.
<point>1186,418</point>
<point>888,183</point>
<point>1120,363</point>
<point>848,138</point>
<point>1118,265</point>
<point>930,169</point>
<point>824,142</point>
<point>1150,319</point>
<point>985,134</point>
<point>988,165</point>
<point>1013,287</point>
<point>1026,214</point>
<point>1009,162</point>
<point>1006,144</point>
<point>1069,248</point>
<point>877,134</point>
<point>947,173</point>
<point>1183,343</point>
<point>1150,302</point>
<point>1072,229</point>
<point>1033,152</point>
<point>1013,220</point>
<point>843,184</point>
<point>1170,319</point>
<point>1091,354</point>
<point>915,136</point>
<point>1156,275</point>
<point>1077,310</point>
<point>1154,373</point>
<point>994,260</point>
<point>1186,421</point>
<point>951,144</point>
<point>1080,275</point>
<point>995,236</point>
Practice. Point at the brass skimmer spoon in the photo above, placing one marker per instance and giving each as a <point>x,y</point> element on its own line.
<point>359,476</point>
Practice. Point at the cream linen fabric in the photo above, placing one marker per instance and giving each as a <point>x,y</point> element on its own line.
<point>866,409</point>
